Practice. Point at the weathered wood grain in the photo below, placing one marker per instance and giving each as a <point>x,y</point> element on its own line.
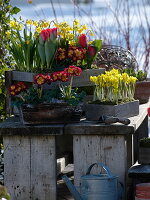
<point>110,150</point>
<point>82,80</point>
<point>30,167</point>
<point>129,109</point>
<point>43,167</point>
<point>17,167</point>
<point>8,82</point>
<point>13,126</point>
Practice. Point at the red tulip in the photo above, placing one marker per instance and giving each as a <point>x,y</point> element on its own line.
<point>46,33</point>
<point>91,50</point>
<point>82,40</point>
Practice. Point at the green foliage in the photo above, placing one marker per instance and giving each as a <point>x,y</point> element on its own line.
<point>140,75</point>
<point>145,142</point>
<point>34,96</point>
<point>6,60</point>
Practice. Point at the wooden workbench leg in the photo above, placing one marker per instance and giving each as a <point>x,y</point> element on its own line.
<point>17,166</point>
<point>110,150</point>
<point>43,168</point>
<point>30,167</point>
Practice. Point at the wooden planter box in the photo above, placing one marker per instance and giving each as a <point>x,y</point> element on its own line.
<point>144,155</point>
<point>94,111</point>
<point>51,113</point>
<point>142,91</point>
<point>78,81</point>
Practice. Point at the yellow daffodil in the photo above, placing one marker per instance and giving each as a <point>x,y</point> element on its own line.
<point>8,33</point>
<point>76,22</point>
<point>29,22</point>
<point>35,23</point>
<point>38,29</point>
<point>91,33</point>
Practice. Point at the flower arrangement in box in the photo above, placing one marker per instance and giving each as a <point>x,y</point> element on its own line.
<point>113,95</point>
<point>54,105</point>
<point>113,87</point>
<point>41,46</point>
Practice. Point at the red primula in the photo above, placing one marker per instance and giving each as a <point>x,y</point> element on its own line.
<point>17,88</point>
<point>73,71</point>
<point>48,79</point>
<point>40,79</point>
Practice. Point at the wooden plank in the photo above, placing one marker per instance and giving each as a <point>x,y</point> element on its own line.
<point>13,126</point>
<point>43,167</point>
<point>137,120</point>
<point>17,167</point>
<point>110,150</point>
<point>8,82</point>
<point>83,80</point>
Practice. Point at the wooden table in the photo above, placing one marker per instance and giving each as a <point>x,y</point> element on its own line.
<point>30,152</point>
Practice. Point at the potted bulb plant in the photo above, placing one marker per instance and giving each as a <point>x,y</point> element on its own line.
<point>40,106</point>
<point>142,88</point>
<point>113,95</point>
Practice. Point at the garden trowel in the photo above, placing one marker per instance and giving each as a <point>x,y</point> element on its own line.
<point>110,119</point>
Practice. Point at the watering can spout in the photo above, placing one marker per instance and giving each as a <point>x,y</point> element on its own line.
<point>72,188</point>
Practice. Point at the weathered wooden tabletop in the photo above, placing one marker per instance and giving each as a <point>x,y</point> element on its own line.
<point>13,126</point>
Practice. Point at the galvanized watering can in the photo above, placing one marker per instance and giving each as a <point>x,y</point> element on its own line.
<point>96,186</point>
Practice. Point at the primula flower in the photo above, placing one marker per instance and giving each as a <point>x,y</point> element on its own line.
<point>91,50</point>
<point>17,88</point>
<point>48,79</point>
<point>64,76</point>
<point>61,54</point>
<point>73,71</point>
<point>40,79</point>
<point>76,53</point>
<point>55,76</point>
<point>82,40</point>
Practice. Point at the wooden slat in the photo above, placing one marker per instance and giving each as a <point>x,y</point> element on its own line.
<point>79,81</point>
<point>17,167</point>
<point>8,82</point>
<point>110,150</point>
<point>43,168</point>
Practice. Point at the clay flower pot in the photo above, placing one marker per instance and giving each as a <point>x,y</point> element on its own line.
<point>142,91</point>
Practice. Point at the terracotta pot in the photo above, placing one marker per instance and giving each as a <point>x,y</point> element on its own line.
<point>49,113</point>
<point>142,91</point>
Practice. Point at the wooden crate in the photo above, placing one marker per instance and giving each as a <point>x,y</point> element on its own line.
<point>94,111</point>
<point>78,81</point>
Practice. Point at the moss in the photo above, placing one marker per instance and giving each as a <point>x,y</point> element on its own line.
<point>145,142</point>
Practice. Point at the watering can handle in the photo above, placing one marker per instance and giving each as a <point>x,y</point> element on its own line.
<point>110,175</point>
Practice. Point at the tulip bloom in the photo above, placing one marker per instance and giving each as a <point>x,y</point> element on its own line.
<point>82,40</point>
<point>91,51</point>
<point>46,33</point>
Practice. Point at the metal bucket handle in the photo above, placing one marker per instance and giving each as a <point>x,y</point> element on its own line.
<point>110,175</point>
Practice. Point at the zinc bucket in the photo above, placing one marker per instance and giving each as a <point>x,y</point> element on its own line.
<point>142,191</point>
